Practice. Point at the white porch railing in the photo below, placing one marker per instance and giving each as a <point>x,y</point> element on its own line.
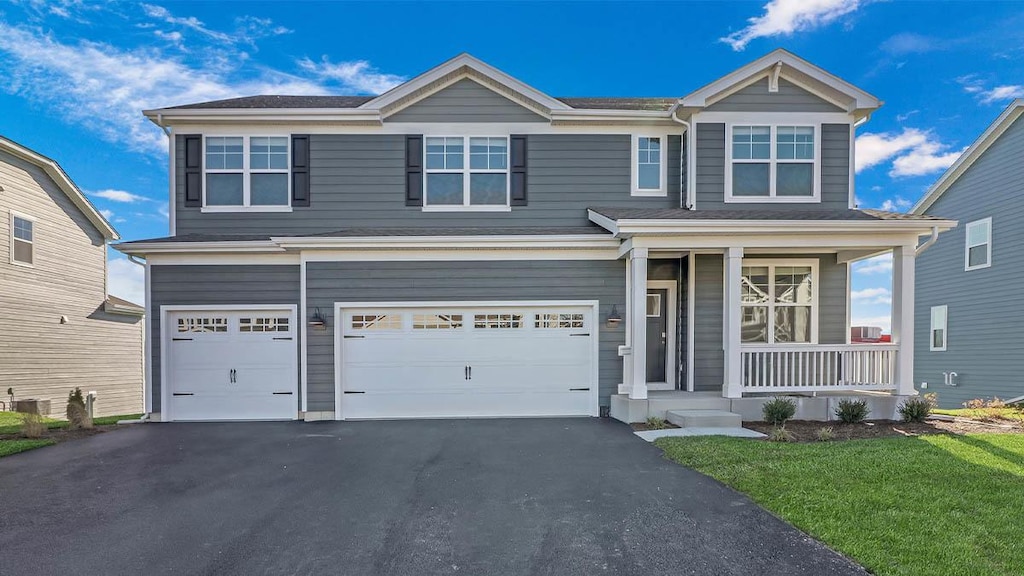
<point>819,367</point>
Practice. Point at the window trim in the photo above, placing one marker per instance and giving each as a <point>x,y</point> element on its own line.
<point>945,328</point>
<point>634,187</point>
<point>773,161</point>
<point>246,172</point>
<point>466,171</point>
<point>33,220</point>
<point>968,245</point>
<point>772,263</point>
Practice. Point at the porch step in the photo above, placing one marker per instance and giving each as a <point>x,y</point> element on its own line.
<point>704,419</point>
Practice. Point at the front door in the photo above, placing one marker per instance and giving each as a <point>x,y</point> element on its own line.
<point>657,334</point>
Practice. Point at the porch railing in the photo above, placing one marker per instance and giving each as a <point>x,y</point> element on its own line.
<point>819,367</point>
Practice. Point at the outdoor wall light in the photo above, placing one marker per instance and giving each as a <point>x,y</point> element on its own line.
<point>318,320</point>
<point>614,318</point>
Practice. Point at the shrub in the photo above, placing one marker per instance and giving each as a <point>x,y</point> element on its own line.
<point>987,410</point>
<point>778,410</point>
<point>77,415</point>
<point>915,409</point>
<point>826,434</point>
<point>780,434</point>
<point>852,411</point>
<point>32,426</point>
<point>655,423</point>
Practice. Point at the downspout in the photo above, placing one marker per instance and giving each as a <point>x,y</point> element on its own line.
<point>928,243</point>
<point>682,158</point>
<point>160,123</point>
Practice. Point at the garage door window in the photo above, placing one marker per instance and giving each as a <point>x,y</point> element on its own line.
<point>202,325</point>
<point>377,322</point>
<point>272,324</point>
<point>499,321</point>
<point>558,321</point>
<point>436,321</point>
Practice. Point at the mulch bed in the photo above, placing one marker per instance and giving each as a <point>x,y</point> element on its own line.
<point>807,431</point>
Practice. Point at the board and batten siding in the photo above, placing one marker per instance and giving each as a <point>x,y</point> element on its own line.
<point>330,282</point>
<point>985,306</point>
<point>39,356</point>
<point>226,285</point>
<point>358,181</point>
<point>708,355</point>
<point>757,98</point>
<point>466,101</point>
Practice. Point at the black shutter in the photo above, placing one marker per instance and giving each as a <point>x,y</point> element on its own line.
<point>193,171</point>
<point>517,167</point>
<point>414,170</point>
<point>300,169</point>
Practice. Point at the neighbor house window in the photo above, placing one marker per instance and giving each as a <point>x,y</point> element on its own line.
<point>648,166</point>
<point>247,171</point>
<point>779,304</point>
<point>938,330</point>
<point>772,163</point>
<point>467,172</point>
<point>22,240</point>
<point>978,250</point>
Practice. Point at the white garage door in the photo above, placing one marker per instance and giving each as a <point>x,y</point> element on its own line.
<point>231,365</point>
<point>468,361</point>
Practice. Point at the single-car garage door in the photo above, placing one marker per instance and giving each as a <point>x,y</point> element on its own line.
<point>231,365</point>
<point>464,361</point>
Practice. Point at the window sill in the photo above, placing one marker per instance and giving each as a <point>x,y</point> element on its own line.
<point>772,199</point>
<point>455,208</point>
<point>978,267</point>
<point>650,193</point>
<point>221,209</point>
<point>22,264</point>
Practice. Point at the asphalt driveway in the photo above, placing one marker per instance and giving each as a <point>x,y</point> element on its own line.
<point>558,497</point>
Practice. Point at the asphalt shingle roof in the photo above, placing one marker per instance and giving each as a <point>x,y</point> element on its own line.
<point>381,232</point>
<point>299,102</point>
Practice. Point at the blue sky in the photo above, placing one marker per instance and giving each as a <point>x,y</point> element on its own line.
<point>74,75</point>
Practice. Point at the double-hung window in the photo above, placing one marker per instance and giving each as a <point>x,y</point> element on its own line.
<point>772,163</point>
<point>22,240</point>
<point>247,172</point>
<point>649,166</point>
<point>937,341</point>
<point>467,173</point>
<point>978,248</point>
<point>779,304</point>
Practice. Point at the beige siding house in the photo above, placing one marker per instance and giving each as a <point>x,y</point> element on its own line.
<point>58,327</point>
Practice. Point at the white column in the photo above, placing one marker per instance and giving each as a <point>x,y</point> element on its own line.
<point>638,322</point>
<point>903,260</point>
<point>731,314</point>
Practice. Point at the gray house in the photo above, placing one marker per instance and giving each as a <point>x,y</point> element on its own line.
<point>61,330</point>
<point>466,245</point>
<point>967,316</point>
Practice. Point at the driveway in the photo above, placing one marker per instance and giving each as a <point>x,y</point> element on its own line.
<point>556,496</point>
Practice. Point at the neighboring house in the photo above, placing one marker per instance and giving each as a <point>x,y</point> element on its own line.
<point>967,315</point>
<point>466,245</point>
<point>61,330</point>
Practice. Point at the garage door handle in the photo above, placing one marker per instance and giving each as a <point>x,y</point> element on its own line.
<point>180,339</point>
<point>183,394</point>
<point>354,392</point>
<point>587,334</point>
<point>579,389</point>
<point>282,393</point>
<point>282,338</point>
<point>353,336</point>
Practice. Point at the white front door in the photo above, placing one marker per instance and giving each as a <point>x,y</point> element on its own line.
<point>467,361</point>
<point>231,365</point>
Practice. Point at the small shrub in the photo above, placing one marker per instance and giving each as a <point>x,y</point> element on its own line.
<point>77,415</point>
<point>32,426</point>
<point>932,398</point>
<point>986,410</point>
<point>826,434</point>
<point>780,434</point>
<point>778,410</point>
<point>915,409</point>
<point>852,411</point>
<point>655,423</point>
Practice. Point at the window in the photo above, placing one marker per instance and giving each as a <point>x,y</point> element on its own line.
<point>376,322</point>
<point>22,240</point>
<point>247,172</point>
<point>464,172</point>
<point>938,330</point>
<point>202,325</point>
<point>654,305</point>
<point>978,249</point>
<point>773,163</point>
<point>552,320</point>
<point>263,324</point>
<point>778,303</point>
<point>648,166</point>
<point>436,321</point>
<point>501,320</point>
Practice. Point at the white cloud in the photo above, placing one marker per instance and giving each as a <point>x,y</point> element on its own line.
<point>874,265</point>
<point>119,196</point>
<point>973,84</point>
<point>913,152</point>
<point>910,43</point>
<point>883,322</point>
<point>896,204</point>
<point>108,214</point>
<point>872,296</point>
<point>785,17</point>
<point>359,76</point>
<point>126,280</point>
<point>925,159</point>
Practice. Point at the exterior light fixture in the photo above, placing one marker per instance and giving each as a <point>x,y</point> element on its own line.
<point>318,320</point>
<point>614,318</point>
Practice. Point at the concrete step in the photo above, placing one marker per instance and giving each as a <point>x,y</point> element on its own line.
<point>662,401</point>
<point>704,419</point>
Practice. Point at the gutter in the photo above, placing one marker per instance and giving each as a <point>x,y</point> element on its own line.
<point>684,201</point>
<point>928,243</point>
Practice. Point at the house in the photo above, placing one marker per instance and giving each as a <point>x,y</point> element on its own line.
<point>467,245</point>
<point>967,316</point>
<point>61,329</point>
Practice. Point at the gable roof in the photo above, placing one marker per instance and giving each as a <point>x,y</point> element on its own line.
<point>59,177</point>
<point>349,102</point>
<point>971,155</point>
<point>793,68</point>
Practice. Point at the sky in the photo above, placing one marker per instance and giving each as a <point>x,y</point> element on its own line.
<point>75,75</point>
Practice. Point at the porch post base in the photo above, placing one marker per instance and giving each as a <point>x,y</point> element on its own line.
<point>638,391</point>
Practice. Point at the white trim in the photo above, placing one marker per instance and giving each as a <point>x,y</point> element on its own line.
<point>304,337</point>
<point>852,166</point>
<point>595,334</point>
<point>672,314</point>
<point>224,258</point>
<point>172,211</point>
<point>222,209</point>
<point>467,207</point>
<point>771,305</point>
<point>932,327</point>
<point>767,118</point>
<point>629,226</point>
<point>691,328</point>
<point>247,172</point>
<point>11,240</point>
<point>987,222</point>
<point>245,126</point>
<point>635,189</point>
<point>773,162</point>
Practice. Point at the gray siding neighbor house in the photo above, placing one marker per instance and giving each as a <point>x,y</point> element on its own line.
<point>967,313</point>
<point>465,245</point>
<point>61,329</point>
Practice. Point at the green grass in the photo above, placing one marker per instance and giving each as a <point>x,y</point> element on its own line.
<point>8,447</point>
<point>942,505</point>
<point>10,422</point>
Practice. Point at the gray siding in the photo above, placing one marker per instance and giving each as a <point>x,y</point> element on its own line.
<point>216,285</point>
<point>757,98</point>
<point>358,181</point>
<point>466,101</point>
<point>986,308</point>
<point>708,354</point>
<point>330,282</point>
<point>710,166</point>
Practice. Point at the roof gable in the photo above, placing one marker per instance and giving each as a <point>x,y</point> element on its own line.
<point>467,100</point>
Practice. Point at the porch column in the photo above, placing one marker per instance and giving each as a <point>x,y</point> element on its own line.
<point>638,322</point>
<point>903,260</point>
<point>731,315</point>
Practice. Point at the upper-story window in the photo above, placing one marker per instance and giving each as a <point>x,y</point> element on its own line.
<point>772,164</point>
<point>246,172</point>
<point>22,240</point>
<point>467,173</point>
<point>649,165</point>
<point>978,248</point>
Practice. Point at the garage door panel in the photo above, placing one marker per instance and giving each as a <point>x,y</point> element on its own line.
<point>459,405</point>
<point>228,406</point>
<point>412,377</point>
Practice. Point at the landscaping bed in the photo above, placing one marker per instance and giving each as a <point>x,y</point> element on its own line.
<point>807,431</point>
<point>12,440</point>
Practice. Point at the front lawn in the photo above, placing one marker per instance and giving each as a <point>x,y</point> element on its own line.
<point>12,441</point>
<point>942,504</point>
<point>8,447</point>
